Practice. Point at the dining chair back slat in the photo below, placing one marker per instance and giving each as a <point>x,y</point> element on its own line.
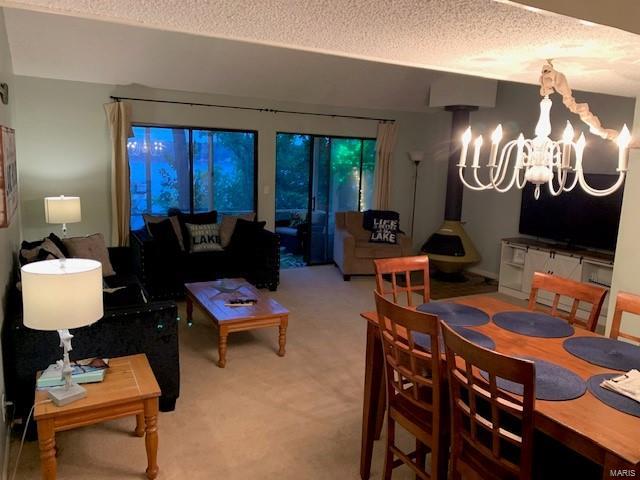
<point>390,270</point>
<point>594,295</point>
<point>629,303</point>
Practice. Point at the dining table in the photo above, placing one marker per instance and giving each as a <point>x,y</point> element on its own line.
<point>591,428</point>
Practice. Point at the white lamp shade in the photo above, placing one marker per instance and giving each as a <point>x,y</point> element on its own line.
<point>61,294</point>
<point>62,209</point>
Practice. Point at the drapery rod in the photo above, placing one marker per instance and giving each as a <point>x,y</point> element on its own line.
<point>268,110</point>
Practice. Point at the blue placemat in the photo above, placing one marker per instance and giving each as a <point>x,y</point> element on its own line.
<point>553,382</point>
<point>473,336</point>
<point>456,314</point>
<point>613,399</point>
<point>604,352</point>
<point>533,324</point>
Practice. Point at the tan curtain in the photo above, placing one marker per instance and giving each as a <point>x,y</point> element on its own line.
<point>385,143</point>
<point>119,119</point>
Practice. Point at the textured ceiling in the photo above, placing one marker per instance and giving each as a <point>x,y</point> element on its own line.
<point>476,37</point>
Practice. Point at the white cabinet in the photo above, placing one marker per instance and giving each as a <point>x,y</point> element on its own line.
<point>520,258</point>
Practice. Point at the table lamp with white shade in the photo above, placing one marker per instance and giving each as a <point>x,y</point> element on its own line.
<point>62,210</point>
<point>59,295</point>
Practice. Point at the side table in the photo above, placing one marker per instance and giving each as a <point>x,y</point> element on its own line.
<point>129,389</point>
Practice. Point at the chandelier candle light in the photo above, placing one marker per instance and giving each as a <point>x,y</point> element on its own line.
<point>541,160</point>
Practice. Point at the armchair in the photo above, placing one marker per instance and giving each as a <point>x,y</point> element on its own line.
<point>353,254</point>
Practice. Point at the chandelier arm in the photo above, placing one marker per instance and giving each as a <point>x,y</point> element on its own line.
<point>551,80</point>
<point>477,179</point>
<point>562,179</point>
<point>467,184</point>
<point>521,183</point>
<point>503,165</point>
<point>514,176</point>
<point>604,192</point>
<point>573,184</point>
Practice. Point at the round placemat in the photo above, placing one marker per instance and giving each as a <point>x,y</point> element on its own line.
<point>456,314</point>
<point>604,352</point>
<point>553,382</point>
<point>533,324</point>
<point>613,399</point>
<point>473,336</point>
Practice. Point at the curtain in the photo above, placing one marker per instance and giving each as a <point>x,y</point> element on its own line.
<point>119,120</point>
<point>385,143</point>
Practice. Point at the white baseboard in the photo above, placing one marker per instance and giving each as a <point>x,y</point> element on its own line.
<point>484,273</point>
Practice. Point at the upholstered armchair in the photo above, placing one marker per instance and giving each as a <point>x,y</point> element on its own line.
<point>353,254</point>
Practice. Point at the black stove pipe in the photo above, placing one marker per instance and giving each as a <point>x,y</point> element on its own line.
<point>459,123</point>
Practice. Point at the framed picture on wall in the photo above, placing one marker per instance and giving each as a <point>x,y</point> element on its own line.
<point>8,176</point>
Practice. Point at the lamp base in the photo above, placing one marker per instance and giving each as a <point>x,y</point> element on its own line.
<point>64,395</point>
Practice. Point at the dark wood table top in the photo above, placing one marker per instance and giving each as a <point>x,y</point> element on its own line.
<point>586,417</point>
<point>212,297</point>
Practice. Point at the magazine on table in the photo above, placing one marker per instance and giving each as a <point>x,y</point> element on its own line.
<point>90,370</point>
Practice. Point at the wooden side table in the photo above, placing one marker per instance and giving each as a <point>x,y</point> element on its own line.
<point>129,389</point>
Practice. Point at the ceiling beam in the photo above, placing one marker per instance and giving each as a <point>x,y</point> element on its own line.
<point>622,14</point>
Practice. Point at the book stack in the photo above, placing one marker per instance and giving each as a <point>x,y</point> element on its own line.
<point>84,371</point>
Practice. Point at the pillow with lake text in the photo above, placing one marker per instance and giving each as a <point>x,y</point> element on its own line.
<point>384,231</point>
<point>204,238</point>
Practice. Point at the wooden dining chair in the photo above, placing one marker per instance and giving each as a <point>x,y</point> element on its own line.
<point>414,389</point>
<point>400,269</point>
<point>491,431</point>
<point>578,291</point>
<point>625,302</point>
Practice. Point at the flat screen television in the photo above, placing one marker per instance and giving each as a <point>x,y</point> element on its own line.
<point>574,217</point>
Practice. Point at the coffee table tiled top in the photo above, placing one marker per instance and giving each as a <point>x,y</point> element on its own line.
<point>212,297</point>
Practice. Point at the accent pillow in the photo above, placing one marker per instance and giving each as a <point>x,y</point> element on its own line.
<point>204,238</point>
<point>246,233</point>
<point>384,231</point>
<point>228,225</point>
<point>38,251</point>
<point>204,218</point>
<point>91,247</point>
<point>164,232</point>
<point>369,217</point>
<point>296,220</point>
<point>175,223</point>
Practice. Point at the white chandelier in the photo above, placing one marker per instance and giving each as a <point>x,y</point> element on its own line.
<point>541,160</point>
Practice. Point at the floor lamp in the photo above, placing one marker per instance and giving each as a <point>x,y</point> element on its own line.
<point>416,157</point>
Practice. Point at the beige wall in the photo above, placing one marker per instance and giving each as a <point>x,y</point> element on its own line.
<point>626,276</point>
<point>64,146</point>
<point>491,216</point>
<point>9,237</point>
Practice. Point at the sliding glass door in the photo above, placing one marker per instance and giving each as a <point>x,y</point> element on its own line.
<point>316,176</point>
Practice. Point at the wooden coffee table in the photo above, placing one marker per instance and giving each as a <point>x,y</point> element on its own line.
<point>211,298</point>
<point>129,388</point>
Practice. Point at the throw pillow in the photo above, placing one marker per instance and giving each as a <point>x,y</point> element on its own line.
<point>165,233</point>
<point>38,251</point>
<point>175,223</point>
<point>92,247</point>
<point>246,233</point>
<point>204,238</point>
<point>205,218</point>
<point>384,231</point>
<point>296,220</point>
<point>369,216</point>
<point>228,225</point>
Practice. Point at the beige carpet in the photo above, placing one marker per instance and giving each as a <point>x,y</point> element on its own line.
<point>262,417</point>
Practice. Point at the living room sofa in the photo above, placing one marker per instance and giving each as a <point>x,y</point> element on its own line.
<point>128,327</point>
<point>164,271</point>
<point>354,254</point>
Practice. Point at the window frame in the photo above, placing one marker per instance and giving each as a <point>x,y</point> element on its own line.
<point>311,153</point>
<point>190,130</point>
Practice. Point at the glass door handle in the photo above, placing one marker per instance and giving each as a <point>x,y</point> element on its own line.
<point>313,203</point>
